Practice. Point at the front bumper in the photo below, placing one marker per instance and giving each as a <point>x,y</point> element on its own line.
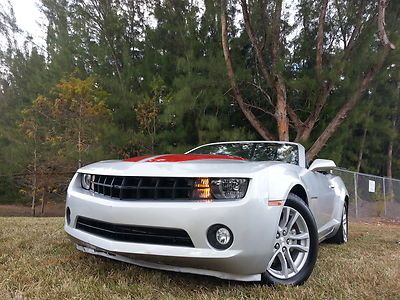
<point>251,221</point>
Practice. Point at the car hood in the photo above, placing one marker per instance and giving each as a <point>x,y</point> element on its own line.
<point>183,165</point>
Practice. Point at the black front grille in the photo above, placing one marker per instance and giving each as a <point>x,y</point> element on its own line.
<point>135,188</point>
<point>135,234</point>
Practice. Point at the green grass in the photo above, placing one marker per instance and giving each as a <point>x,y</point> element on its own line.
<point>37,261</point>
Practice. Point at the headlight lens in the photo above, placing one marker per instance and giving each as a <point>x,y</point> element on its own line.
<point>220,188</point>
<point>86,181</point>
<point>229,188</point>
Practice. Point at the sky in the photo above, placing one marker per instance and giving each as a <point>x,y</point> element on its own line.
<point>29,18</point>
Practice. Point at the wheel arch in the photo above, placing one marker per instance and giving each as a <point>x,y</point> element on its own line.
<point>299,191</point>
<point>346,200</point>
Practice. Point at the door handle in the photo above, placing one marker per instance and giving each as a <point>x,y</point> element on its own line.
<point>331,186</point>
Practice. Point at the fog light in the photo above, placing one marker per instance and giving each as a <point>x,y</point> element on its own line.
<point>220,237</point>
<point>223,236</point>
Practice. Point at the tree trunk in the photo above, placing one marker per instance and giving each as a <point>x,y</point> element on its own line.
<point>280,86</point>
<point>389,164</point>
<point>34,181</point>
<point>361,152</point>
<point>363,139</point>
<point>281,112</point>
<point>389,190</point>
<point>43,203</point>
<point>79,137</point>
<point>153,133</point>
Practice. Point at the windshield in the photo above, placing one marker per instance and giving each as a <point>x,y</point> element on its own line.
<point>288,153</point>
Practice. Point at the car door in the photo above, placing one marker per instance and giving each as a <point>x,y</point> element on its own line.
<point>322,198</point>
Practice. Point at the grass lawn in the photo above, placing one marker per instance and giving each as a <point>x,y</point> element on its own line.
<point>37,261</point>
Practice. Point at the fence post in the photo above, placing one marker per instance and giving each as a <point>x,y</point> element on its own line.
<point>384,196</point>
<point>355,194</point>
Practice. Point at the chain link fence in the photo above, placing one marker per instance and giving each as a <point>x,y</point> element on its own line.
<point>371,196</point>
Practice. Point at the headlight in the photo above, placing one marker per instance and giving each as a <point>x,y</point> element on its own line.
<point>86,181</point>
<point>229,188</point>
<point>220,188</point>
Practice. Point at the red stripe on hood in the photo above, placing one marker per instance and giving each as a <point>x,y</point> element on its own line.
<point>182,157</point>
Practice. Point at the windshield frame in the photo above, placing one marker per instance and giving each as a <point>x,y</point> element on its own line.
<point>301,150</point>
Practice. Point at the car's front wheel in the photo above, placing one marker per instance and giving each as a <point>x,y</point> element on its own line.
<point>295,247</point>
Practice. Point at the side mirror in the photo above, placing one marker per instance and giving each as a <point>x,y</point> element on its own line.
<point>322,165</point>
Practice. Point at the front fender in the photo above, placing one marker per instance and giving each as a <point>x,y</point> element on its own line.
<point>281,180</point>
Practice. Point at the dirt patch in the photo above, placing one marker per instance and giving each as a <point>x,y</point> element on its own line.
<point>52,209</point>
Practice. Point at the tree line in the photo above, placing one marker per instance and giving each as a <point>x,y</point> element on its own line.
<point>119,78</point>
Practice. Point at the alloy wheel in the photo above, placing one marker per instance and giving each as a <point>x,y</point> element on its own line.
<point>344,224</point>
<point>292,245</point>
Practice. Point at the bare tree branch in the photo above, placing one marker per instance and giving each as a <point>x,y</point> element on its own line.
<point>266,95</point>
<point>342,31</point>
<point>304,132</point>
<point>342,114</point>
<point>382,4</point>
<point>294,117</point>
<point>254,42</point>
<point>260,109</point>
<point>258,126</point>
<point>355,33</point>
<point>276,28</point>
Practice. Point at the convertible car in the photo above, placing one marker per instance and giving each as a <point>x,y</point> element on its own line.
<point>248,211</point>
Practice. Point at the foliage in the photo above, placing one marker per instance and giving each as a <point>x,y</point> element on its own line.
<point>63,131</point>
<point>121,78</point>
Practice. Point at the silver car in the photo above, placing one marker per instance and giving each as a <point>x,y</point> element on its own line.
<point>247,210</point>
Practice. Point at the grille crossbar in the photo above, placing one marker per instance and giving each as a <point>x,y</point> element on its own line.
<point>135,234</point>
<point>135,188</point>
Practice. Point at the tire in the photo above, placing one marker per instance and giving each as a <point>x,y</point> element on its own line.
<point>291,245</point>
<point>341,235</point>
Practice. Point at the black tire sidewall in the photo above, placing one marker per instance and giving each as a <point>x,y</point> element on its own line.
<point>342,240</point>
<point>297,203</point>
<point>338,238</point>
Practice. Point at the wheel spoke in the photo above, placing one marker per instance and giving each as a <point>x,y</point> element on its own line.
<point>282,259</point>
<point>300,236</point>
<point>273,258</point>
<point>292,221</point>
<point>290,261</point>
<point>285,217</point>
<point>300,248</point>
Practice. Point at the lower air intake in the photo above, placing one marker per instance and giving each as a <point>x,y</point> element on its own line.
<point>135,234</point>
